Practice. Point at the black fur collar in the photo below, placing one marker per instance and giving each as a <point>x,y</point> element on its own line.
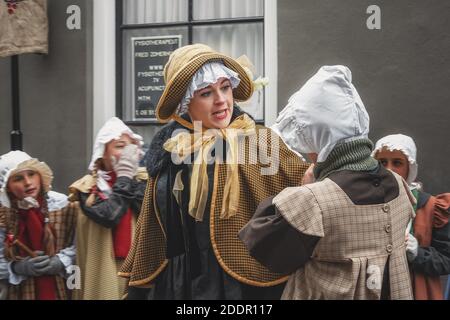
<point>156,157</point>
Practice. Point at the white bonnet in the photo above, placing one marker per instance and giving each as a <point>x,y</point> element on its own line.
<point>16,161</point>
<point>111,130</point>
<point>402,143</point>
<point>326,111</point>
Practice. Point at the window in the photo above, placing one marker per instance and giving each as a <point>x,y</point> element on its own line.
<point>148,30</point>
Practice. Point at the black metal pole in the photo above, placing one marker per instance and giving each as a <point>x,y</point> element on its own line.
<point>190,19</point>
<point>16,134</point>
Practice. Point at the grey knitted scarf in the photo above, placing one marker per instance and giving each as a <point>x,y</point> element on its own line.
<point>354,155</point>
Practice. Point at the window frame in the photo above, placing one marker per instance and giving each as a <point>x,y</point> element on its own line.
<point>190,24</point>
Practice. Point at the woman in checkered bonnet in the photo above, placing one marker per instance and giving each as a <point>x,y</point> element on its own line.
<point>186,244</point>
<point>36,231</point>
<point>428,243</point>
<point>340,235</point>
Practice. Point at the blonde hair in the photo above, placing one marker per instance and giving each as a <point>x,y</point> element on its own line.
<point>49,239</point>
<point>91,199</point>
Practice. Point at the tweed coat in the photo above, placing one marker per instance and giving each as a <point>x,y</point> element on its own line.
<point>63,222</point>
<point>356,242</point>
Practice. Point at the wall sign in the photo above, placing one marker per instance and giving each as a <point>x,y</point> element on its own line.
<point>150,55</point>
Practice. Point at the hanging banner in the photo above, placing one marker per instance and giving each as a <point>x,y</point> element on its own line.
<point>150,54</point>
<point>23,27</point>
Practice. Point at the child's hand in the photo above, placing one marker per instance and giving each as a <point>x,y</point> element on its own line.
<point>128,163</point>
<point>31,267</point>
<point>412,247</point>
<point>54,267</point>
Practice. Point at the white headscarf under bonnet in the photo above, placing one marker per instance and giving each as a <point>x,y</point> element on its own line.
<point>404,144</point>
<point>208,74</point>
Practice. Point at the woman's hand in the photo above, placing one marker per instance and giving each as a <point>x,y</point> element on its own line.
<point>308,177</point>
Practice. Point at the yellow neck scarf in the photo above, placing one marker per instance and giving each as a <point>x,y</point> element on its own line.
<point>185,143</point>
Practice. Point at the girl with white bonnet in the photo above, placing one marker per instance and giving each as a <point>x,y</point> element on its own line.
<point>342,236</point>
<point>36,231</point>
<point>428,243</point>
<point>186,246</point>
<point>108,201</point>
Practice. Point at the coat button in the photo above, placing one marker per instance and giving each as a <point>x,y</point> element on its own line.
<point>389,248</point>
<point>376,182</point>
<point>388,228</point>
<point>386,208</point>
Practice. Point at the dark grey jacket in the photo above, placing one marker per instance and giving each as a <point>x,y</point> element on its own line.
<point>126,193</point>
